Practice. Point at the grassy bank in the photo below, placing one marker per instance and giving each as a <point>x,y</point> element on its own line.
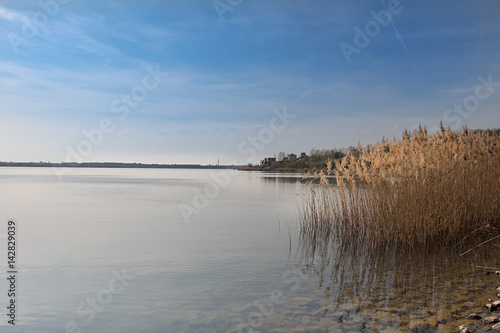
<point>417,192</point>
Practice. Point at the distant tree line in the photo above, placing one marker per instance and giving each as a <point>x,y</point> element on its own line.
<point>324,154</point>
<point>113,165</point>
<point>489,132</point>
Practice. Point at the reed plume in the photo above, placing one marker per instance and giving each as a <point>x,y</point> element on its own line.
<point>419,191</point>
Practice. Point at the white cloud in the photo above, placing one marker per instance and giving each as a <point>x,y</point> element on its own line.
<point>10,15</point>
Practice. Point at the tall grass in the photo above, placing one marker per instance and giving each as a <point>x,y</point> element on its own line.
<point>420,191</point>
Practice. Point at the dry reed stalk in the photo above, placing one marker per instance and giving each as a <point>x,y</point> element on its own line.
<point>420,191</point>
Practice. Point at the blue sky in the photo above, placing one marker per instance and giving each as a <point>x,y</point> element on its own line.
<point>64,63</point>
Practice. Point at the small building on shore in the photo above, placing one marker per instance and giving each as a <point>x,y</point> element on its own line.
<point>268,161</point>
<point>292,157</point>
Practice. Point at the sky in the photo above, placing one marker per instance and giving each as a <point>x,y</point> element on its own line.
<point>187,81</point>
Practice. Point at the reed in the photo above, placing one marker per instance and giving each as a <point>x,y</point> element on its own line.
<point>419,192</point>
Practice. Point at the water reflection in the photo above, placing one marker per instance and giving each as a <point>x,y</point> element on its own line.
<point>383,290</point>
<point>292,178</point>
<point>283,179</point>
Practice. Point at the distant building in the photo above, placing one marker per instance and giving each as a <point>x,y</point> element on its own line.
<point>292,157</point>
<point>268,161</point>
<point>303,155</point>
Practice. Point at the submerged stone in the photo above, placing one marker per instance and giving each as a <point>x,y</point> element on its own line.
<point>493,306</point>
<point>422,328</point>
<point>474,316</point>
<point>491,320</point>
<point>466,328</point>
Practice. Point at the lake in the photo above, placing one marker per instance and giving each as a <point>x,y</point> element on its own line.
<point>183,250</point>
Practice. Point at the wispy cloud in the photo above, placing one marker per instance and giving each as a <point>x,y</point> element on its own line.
<point>227,76</point>
<point>10,15</point>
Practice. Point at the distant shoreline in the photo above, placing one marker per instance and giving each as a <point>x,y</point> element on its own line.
<point>114,165</point>
<point>271,170</point>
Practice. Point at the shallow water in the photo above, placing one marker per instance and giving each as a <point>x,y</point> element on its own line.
<point>108,250</point>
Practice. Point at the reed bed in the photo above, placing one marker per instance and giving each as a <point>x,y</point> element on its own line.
<point>420,191</point>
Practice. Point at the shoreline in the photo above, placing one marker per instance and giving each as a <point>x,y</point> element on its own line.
<point>111,165</point>
<point>290,170</point>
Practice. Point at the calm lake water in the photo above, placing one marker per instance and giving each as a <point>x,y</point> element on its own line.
<point>112,250</point>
